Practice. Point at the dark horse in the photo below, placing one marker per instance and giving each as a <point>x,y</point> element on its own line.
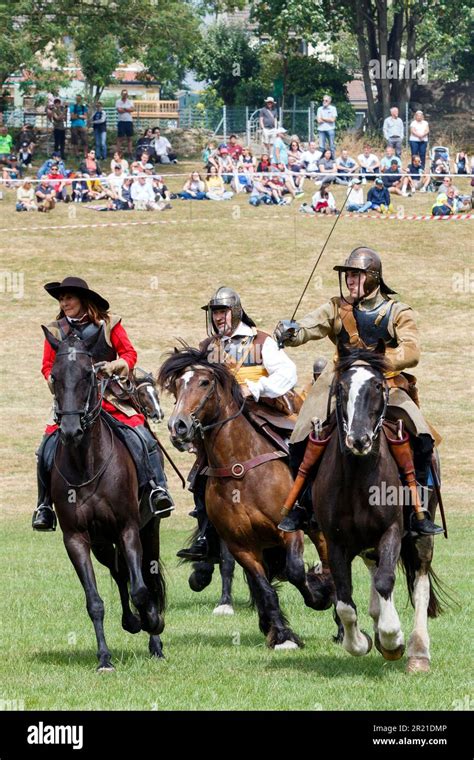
<point>351,506</point>
<point>95,490</point>
<point>247,484</point>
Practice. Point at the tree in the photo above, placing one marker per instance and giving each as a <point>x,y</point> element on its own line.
<point>225,58</point>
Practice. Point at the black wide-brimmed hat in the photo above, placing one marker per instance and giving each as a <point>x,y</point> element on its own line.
<point>76,285</point>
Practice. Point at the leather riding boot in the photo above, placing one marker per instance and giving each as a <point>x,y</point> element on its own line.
<point>199,549</point>
<point>294,515</point>
<point>159,497</point>
<point>420,520</point>
<point>44,517</point>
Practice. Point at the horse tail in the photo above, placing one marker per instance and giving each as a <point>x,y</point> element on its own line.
<point>440,598</point>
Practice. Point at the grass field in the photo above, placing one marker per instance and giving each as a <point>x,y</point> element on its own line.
<point>157,277</point>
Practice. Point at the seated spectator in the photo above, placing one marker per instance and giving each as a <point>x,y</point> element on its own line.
<point>125,202</point>
<point>144,143</point>
<point>369,164</point>
<point>441,206</point>
<point>45,168</point>
<point>25,155</point>
<point>415,178</point>
<point>45,196</point>
<point>264,163</point>
<point>163,150</point>
<point>90,165</point>
<point>393,178</point>
<point>143,164</point>
<point>119,159</point>
<point>11,170</point>
<point>323,202</point>
<point>283,177</point>
<point>387,159</point>
<point>310,160</point>
<point>143,196</point>
<point>461,163</point>
<point>208,155</point>
<point>225,165</point>
<point>327,167</point>
<point>280,150</point>
<point>242,180</point>
<point>234,148</point>
<point>346,166</point>
<point>95,188</point>
<point>6,143</point>
<point>439,169</point>
<point>215,187</point>
<point>355,196</point>
<point>26,135</point>
<point>247,160</point>
<point>295,155</point>
<point>379,196</point>
<point>194,188</point>
<point>25,196</point>
<point>161,191</point>
<point>262,192</point>
<point>79,189</point>
<point>58,183</point>
<point>459,202</point>
<point>115,182</point>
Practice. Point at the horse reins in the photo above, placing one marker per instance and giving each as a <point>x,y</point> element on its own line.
<point>342,426</point>
<point>197,424</point>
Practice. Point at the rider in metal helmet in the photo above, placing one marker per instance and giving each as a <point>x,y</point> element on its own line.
<point>365,260</point>
<point>225,298</point>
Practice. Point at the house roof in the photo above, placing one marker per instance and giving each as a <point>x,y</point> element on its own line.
<point>356,92</point>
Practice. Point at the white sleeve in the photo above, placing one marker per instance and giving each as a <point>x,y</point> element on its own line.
<point>281,373</point>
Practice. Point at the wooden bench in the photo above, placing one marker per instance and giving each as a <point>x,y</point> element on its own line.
<point>156,109</point>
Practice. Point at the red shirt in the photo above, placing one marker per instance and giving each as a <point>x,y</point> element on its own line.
<point>234,150</point>
<point>125,350</point>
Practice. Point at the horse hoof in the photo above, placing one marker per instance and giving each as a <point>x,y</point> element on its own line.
<point>418,665</point>
<point>223,609</point>
<point>106,669</point>
<point>132,624</point>
<point>286,645</point>
<point>369,641</point>
<point>389,654</point>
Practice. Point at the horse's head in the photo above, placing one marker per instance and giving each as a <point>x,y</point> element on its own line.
<point>198,386</point>
<point>361,396</point>
<point>147,395</point>
<point>74,385</point>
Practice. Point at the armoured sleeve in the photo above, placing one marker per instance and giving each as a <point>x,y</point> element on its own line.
<point>314,326</point>
<point>405,330</point>
<point>281,373</point>
<point>121,342</point>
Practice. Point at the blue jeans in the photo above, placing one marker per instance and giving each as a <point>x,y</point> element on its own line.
<point>196,197</point>
<point>100,144</point>
<point>361,207</point>
<point>329,136</point>
<point>419,149</point>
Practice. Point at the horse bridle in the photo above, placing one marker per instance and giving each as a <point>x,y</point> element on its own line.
<point>342,426</point>
<point>197,427</point>
<point>86,417</point>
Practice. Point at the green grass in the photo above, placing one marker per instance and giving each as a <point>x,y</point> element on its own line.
<point>47,655</point>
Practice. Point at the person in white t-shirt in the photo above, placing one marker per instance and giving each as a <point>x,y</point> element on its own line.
<point>310,160</point>
<point>419,132</point>
<point>369,164</point>
<point>163,149</point>
<point>124,108</point>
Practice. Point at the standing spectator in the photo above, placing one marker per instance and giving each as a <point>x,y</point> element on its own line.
<point>6,142</point>
<point>124,108</point>
<point>163,149</point>
<point>268,123</point>
<point>346,166</point>
<point>25,196</point>
<point>234,148</point>
<point>99,124</point>
<point>369,164</point>
<point>326,118</point>
<point>310,159</point>
<point>393,131</point>
<point>78,112</point>
<point>419,132</point>
<point>280,149</point>
<point>58,117</point>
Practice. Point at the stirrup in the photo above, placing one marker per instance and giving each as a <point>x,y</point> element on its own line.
<point>165,499</point>
<point>54,520</point>
<point>425,527</point>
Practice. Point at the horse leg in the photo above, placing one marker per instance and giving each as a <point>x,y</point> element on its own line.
<point>312,585</point>
<point>78,548</point>
<point>105,553</point>
<point>226,567</point>
<point>273,623</point>
<point>374,603</point>
<point>153,576</point>
<point>390,640</point>
<point>419,642</point>
<point>355,641</point>
<point>201,576</point>
<point>151,620</point>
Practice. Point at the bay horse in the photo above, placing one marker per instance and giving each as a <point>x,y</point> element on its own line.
<point>246,487</point>
<point>95,490</point>
<point>357,519</point>
<point>145,393</point>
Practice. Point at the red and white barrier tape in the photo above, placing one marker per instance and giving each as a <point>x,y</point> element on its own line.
<point>410,217</point>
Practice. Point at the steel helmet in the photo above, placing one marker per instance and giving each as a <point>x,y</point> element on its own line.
<point>226,298</point>
<point>366,260</point>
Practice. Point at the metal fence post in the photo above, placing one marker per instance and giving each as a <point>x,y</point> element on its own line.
<point>247,124</point>
<point>311,118</point>
<point>224,117</point>
<point>406,124</point>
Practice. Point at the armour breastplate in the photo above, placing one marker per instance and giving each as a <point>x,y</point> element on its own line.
<point>373,325</point>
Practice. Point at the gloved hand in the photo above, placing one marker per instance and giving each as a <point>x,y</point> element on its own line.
<point>116,367</point>
<point>285,330</point>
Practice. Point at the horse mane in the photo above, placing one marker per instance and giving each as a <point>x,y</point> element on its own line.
<point>179,360</point>
<point>350,356</point>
